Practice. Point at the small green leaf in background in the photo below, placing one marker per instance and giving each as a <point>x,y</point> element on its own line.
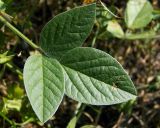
<point>138,13</point>
<point>72,123</point>
<point>115,29</point>
<point>44,84</point>
<point>94,77</point>
<point>4,58</point>
<point>12,104</point>
<point>67,30</point>
<point>15,92</point>
<point>2,6</point>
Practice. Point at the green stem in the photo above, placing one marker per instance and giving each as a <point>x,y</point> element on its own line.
<point>138,37</point>
<point>103,5</point>
<point>93,41</point>
<point>5,118</point>
<point>14,69</point>
<point>98,115</point>
<point>145,35</point>
<point>17,32</point>
<point>26,122</point>
<point>80,110</point>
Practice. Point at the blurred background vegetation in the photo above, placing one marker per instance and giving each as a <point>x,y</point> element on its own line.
<point>135,45</point>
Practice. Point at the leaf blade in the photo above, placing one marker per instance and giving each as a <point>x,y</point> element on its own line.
<point>84,83</point>
<point>69,30</point>
<point>2,6</point>
<point>115,29</point>
<point>44,88</point>
<point>138,14</point>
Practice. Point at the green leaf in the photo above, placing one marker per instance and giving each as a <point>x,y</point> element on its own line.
<point>15,92</point>
<point>138,13</point>
<point>4,58</point>
<point>67,30</point>
<point>115,29</point>
<point>72,123</point>
<point>12,104</point>
<point>94,77</point>
<point>44,84</point>
<point>2,6</point>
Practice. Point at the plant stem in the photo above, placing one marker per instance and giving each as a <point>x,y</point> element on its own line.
<point>98,116</point>
<point>17,32</point>
<point>80,110</point>
<point>103,5</point>
<point>14,69</point>
<point>7,119</point>
<point>26,122</point>
<point>146,35</point>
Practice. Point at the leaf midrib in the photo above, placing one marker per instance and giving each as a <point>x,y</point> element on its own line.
<point>43,90</point>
